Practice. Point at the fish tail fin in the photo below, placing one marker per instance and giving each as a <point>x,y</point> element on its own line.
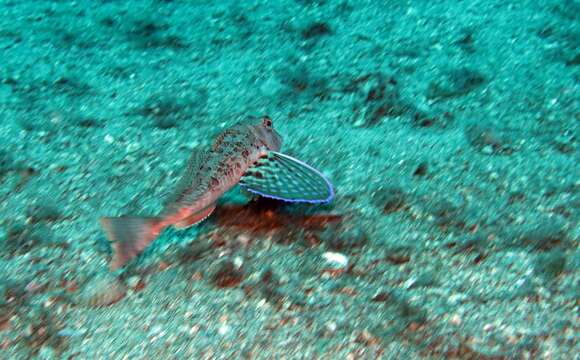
<point>129,236</point>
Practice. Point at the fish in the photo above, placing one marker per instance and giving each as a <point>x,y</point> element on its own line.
<point>247,154</point>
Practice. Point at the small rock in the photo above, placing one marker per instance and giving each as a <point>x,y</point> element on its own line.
<point>43,210</point>
<point>389,198</point>
<point>133,281</point>
<point>7,162</point>
<point>566,143</point>
<point>21,238</point>
<point>344,238</point>
<point>71,332</point>
<point>488,140</point>
<point>455,83</point>
<point>226,274</point>
<point>455,319</point>
<point>477,242</point>
<point>421,280</point>
<point>331,327</point>
<point>421,169</point>
<point>382,99</point>
<point>47,353</point>
<point>456,299</point>
<point>542,234</point>
<point>399,255</point>
<point>550,264</point>
<point>316,29</point>
<point>447,212</point>
<point>224,329</point>
<point>488,327</point>
<point>109,139</point>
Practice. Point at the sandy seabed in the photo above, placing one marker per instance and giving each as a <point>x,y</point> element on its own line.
<point>449,129</point>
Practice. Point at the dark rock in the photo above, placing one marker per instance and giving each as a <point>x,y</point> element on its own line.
<point>30,122</point>
<point>147,33</point>
<point>167,112</point>
<point>269,287</point>
<point>466,41</point>
<point>20,238</point>
<point>421,119</point>
<point>421,170</point>
<point>407,312</point>
<point>316,29</point>
<point>550,264</point>
<point>226,274</point>
<point>486,139</point>
<point>398,255</point>
<point>382,99</point>
<point>311,2</point>
<point>71,86</point>
<point>516,197</point>
<point>43,331</point>
<point>43,210</point>
<point>455,83</point>
<point>566,143</point>
<point>196,250</point>
<point>381,297</point>
<point>390,199</point>
<point>477,242</point>
<point>544,234</point>
<point>573,60</point>
<point>87,122</point>
<point>7,162</point>
<point>345,238</point>
<point>446,212</point>
<point>299,81</point>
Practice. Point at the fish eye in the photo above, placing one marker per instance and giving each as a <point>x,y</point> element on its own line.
<point>267,122</point>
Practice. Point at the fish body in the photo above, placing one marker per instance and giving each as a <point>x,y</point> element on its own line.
<point>243,151</point>
<point>211,173</point>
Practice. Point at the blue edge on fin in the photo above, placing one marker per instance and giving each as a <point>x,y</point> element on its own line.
<point>328,183</point>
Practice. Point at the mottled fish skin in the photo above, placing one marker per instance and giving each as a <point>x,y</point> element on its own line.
<point>209,174</point>
<point>233,152</point>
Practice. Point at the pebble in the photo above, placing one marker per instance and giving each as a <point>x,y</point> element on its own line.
<point>133,281</point>
<point>109,139</point>
<point>223,330</point>
<point>455,319</point>
<point>456,299</point>
<point>336,260</point>
<point>46,353</point>
<point>71,332</point>
<point>331,326</point>
<point>156,330</point>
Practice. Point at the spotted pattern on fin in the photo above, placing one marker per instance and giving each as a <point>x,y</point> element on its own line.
<point>282,177</point>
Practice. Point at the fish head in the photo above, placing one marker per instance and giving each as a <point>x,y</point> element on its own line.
<point>267,135</point>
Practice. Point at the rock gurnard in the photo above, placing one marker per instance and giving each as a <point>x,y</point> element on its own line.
<point>247,154</point>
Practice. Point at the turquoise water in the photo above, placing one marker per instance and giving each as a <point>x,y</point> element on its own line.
<point>449,131</point>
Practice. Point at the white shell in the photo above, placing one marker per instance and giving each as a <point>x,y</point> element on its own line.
<point>335,259</point>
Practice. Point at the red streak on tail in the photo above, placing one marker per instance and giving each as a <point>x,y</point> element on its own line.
<point>129,236</point>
